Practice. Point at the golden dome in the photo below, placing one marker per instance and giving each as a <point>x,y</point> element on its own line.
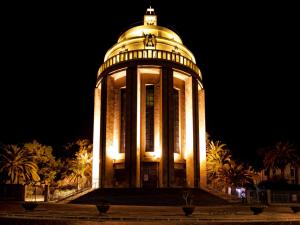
<point>150,36</point>
<point>158,31</point>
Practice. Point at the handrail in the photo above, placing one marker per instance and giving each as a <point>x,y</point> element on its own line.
<point>149,54</point>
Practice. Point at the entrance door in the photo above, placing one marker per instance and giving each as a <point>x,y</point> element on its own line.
<point>149,174</point>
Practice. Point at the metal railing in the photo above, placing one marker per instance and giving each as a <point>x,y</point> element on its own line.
<point>273,197</point>
<point>149,54</point>
<point>37,193</point>
<point>285,196</point>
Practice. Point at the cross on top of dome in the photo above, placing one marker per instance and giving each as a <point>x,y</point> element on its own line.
<point>150,17</point>
<point>150,11</point>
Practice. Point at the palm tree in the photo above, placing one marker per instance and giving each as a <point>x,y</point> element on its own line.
<point>44,160</point>
<point>47,166</point>
<point>80,168</point>
<point>286,154</point>
<point>216,157</point>
<point>235,174</point>
<point>18,165</point>
<point>278,157</point>
<point>266,162</point>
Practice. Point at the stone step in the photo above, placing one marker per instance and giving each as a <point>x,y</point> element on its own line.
<point>140,196</point>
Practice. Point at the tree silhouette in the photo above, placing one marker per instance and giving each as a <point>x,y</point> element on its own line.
<point>44,160</point>
<point>279,156</point>
<point>235,174</point>
<point>222,170</point>
<point>19,165</point>
<point>79,169</point>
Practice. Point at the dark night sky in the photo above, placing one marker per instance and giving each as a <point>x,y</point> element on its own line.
<point>248,54</point>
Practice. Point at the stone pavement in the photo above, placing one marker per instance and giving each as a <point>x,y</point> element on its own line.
<point>54,213</point>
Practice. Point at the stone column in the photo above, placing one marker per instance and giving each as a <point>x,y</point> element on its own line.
<point>131,125</point>
<point>167,127</point>
<point>189,136</point>
<point>103,131</point>
<point>196,133</point>
<point>138,131</point>
<point>202,137</point>
<point>96,139</point>
<point>110,115</point>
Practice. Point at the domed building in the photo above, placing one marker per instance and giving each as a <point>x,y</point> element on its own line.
<point>149,118</point>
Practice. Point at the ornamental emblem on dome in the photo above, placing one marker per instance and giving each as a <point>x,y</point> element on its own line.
<point>149,41</point>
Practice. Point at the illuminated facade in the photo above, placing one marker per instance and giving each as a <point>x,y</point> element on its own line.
<point>149,119</point>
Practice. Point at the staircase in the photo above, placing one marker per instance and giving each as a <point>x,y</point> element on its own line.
<point>76,195</point>
<point>140,196</point>
<point>222,195</point>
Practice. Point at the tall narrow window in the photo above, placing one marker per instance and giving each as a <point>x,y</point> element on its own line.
<point>176,121</point>
<point>122,119</point>
<point>149,118</point>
